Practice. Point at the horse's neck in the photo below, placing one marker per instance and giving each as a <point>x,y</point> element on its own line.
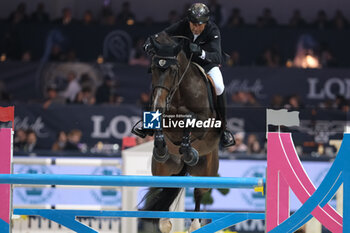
<point>191,79</point>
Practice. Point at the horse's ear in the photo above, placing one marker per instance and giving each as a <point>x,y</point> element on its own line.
<point>154,42</point>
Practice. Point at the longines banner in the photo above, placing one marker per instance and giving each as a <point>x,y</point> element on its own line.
<point>28,81</point>
<point>109,124</point>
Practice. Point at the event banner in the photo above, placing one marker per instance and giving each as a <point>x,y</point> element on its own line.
<point>111,123</point>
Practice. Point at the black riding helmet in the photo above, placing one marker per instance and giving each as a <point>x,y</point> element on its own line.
<point>198,13</point>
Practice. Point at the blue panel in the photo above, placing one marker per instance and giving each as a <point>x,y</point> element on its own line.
<point>4,226</point>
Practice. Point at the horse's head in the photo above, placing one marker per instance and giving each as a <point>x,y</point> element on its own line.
<point>165,70</point>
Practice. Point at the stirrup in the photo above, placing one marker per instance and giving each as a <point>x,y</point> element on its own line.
<point>227,139</point>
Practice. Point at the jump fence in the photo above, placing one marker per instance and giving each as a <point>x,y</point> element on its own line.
<point>284,172</point>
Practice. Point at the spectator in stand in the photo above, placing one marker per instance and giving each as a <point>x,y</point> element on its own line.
<point>88,18</point>
<point>31,143</point>
<point>341,103</point>
<point>215,12</point>
<point>4,95</point>
<point>234,59</point>
<point>107,17</point>
<point>277,102</point>
<point>293,103</point>
<point>297,21</point>
<point>85,96</point>
<point>40,16</point>
<point>239,98</point>
<point>173,17</point>
<point>26,56</point>
<point>253,144</point>
<point>321,21</point>
<point>57,54</point>
<point>235,20</point>
<point>269,58</point>
<point>339,21</point>
<point>145,101</point>
<point>20,140</point>
<point>60,143</point>
<point>251,100</point>
<point>74,137</point>
<point>267,19</point>
<point>52,97</point>
<point>73,87</point>
<point>239,147</point>
<point>66,19</point>
<point>138,55</point>
<point>327,58</point>
<point>126,16</point>
<point>104,93</point>
<point>19,15</point>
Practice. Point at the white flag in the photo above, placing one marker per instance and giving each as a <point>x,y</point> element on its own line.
<point>282,117</point>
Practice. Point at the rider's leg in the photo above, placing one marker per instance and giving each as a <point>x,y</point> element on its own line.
<point>227,138</point>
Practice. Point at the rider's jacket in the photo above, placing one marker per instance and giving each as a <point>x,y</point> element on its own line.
<point>209,40</point>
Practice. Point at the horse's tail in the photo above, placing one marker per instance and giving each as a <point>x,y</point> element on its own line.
<point>160,199</point>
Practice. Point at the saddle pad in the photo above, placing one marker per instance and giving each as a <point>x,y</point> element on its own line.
<point>210,86</point>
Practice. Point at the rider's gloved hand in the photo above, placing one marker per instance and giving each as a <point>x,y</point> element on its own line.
<point>195,49</point>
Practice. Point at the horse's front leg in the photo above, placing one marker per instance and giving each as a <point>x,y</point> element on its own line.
<point>160,149</point>
<point>190,155</point>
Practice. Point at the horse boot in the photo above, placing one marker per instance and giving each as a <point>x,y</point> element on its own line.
<point>141,132</point>
<point>190,154</point>
<point>227,138</point>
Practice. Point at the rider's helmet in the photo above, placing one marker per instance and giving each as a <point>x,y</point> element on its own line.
<point>198,13</point>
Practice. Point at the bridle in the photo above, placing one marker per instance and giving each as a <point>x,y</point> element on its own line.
<point>173,60</point>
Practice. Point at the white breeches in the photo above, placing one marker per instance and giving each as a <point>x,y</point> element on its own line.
<point>216,75</point>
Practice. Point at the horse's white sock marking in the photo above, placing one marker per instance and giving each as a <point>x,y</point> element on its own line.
<point>165,225</point>
<point>195,225</point>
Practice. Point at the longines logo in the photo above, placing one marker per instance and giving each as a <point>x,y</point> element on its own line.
<point>330,89</point>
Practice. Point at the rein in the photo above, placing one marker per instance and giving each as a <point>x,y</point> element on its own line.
<point>172,91</point>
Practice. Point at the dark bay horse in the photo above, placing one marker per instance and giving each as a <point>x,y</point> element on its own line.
<point>180,90</point>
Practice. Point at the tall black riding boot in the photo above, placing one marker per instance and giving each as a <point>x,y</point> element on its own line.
<point>227,138</point>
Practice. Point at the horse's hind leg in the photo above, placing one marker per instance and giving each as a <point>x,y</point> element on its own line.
<point>198,195</point>
<point>166,196</point>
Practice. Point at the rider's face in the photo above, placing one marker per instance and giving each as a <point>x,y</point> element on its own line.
<point>197,28</point>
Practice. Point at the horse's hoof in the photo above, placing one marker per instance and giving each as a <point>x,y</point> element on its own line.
<point>165,225</point>
<point>161,154</point>
<point>191,157</point>
<point>195,225</point>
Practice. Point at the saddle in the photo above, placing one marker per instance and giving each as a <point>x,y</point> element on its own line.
<point>210,86</point>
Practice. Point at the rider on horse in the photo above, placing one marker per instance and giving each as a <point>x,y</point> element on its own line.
<point>205,46</point>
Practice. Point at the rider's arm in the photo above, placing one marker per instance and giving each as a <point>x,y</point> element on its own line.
<point>212,49</point>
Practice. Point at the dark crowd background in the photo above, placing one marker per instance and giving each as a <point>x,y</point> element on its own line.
<point>32,41</point>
